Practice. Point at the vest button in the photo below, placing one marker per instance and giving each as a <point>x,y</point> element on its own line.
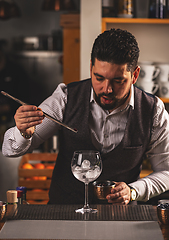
<point>106,135</point>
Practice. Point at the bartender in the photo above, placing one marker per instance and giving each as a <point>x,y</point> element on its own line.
<point>112,115</point>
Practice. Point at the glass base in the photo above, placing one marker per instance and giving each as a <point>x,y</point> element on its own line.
<point>86,210</point>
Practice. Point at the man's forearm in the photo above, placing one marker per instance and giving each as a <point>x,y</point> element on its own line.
<point>152,185</point>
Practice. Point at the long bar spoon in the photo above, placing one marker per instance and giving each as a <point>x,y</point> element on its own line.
<point>45,114</point>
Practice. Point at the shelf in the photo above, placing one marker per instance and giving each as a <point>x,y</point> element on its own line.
<point>165,100</point>
<point>133,20</point>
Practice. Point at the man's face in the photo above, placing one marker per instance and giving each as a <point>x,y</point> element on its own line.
<point>111,83</point>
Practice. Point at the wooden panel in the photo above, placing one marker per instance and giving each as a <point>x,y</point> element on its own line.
<point>71,47</point>
<point>33,195</point>
<point>35,184</point>
<point>39,156</point>
<point>35,172</point>
<point>37,190</point>
<point>71,58</point>
<point>70,21</point>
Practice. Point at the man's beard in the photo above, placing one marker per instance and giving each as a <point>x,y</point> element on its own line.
<point>116,102</point>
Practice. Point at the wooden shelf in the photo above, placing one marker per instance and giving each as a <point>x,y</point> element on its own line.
<point>133,20</point>
<point>165,100</point>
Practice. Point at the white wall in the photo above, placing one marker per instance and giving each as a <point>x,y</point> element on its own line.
<point>90,26</point>
<point>152,39</point>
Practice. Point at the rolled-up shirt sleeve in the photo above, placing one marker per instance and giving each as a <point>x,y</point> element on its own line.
<point>158,155</point>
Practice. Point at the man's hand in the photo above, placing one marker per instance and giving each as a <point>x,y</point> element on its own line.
<point>120,194</point>
<point>27,117</point>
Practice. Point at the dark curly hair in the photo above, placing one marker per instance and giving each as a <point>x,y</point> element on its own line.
<point>116,46</point>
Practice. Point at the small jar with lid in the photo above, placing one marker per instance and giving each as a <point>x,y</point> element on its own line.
<point>12,197</point>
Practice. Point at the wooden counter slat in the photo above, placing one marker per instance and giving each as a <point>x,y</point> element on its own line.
<point>33,195</point>
<point>35,172</point>
<point>44,184</point>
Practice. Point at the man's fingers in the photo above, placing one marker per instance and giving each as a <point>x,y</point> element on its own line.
<point>28,116</point>
<point>119,194</point>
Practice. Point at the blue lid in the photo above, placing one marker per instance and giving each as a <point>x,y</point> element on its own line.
<point>23,189</point>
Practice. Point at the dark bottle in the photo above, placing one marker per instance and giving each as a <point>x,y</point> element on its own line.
<point>163,9</point>
<point>167,9</point>
<point>108,8</point>
<point>158,9</point>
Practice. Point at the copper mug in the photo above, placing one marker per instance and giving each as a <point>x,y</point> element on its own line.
<point>2,209</point>
<point>103,188</point>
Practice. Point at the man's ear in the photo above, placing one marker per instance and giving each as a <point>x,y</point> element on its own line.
<point>136,74</point>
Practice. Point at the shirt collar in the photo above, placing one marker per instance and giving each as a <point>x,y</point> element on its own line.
<point>131,101</point>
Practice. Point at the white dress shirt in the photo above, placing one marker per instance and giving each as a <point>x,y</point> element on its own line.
<point>107,131</point>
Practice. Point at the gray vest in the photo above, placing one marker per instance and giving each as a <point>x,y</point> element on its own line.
<point>121,164</point>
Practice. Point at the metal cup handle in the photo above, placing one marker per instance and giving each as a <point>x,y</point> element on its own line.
<point>156,72</point>
<point>155,88</point>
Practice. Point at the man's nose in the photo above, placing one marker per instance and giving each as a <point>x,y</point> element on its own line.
<point>108,87</point>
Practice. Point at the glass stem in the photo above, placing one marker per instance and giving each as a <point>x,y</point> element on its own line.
<point>86,205</point>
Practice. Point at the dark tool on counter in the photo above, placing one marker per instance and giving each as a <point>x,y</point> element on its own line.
<point>45,114</point>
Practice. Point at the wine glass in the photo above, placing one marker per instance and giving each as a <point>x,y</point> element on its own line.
<point>86,166</point>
